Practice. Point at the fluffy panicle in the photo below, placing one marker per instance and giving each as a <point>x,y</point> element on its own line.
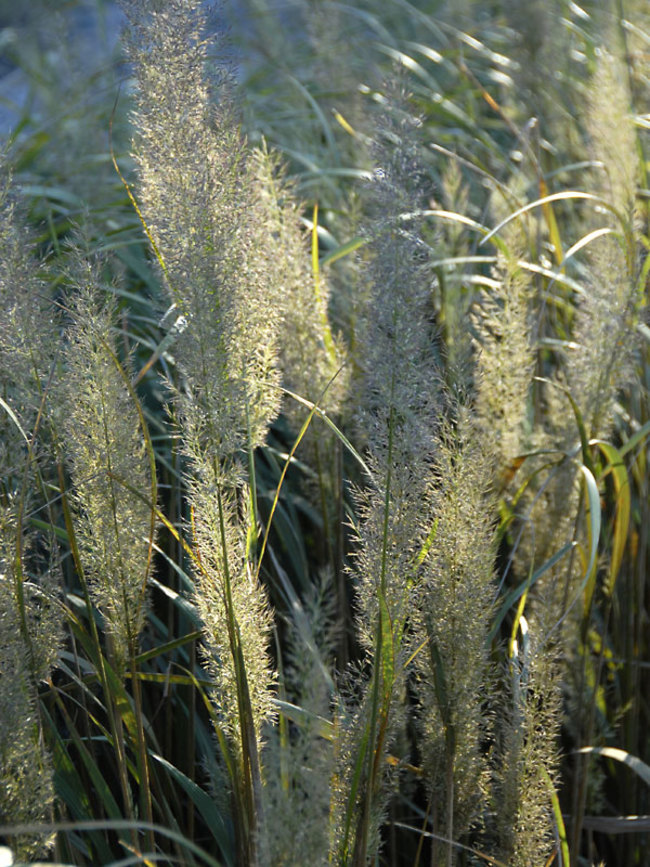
<point>505,362</point>
<point>450,291</point>
<point>610,126</point>
<point>597,363</point>
<point>30,627</point>
<point>299,758</point>
<point>398,398</point>
<point>603,331</point>
<point>398,351</point>
<point>359,806</point>
<point>310,358</point>
<point>598,358</point>
<point>198,201</point>
<point>391,535</point>
<point>27,332</point>
<point>609,307</point>
<point>232,604</point>
<point>201,204</point>
<point>30,636</point>
<point>203,208</point>
<point>527,753</point>
<point>451,619</point>
<point>109,467</point>
<point>398,394</point>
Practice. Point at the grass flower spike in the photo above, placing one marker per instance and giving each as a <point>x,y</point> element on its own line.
<point>109,468</point>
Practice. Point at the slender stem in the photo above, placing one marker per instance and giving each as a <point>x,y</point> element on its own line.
<point>143,760</point>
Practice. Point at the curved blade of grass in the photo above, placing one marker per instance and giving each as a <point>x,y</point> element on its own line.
<point>639,767</point>
<point>206,807</point>
<point>635,440</point>
<point>113,825</point>
<point>301,717</point>
<point>428,52</point>
<point>464,260</point>
<point>554,276</point>
<point>516,593</point>
<point>411,64</point>
<point>446,215</point>
<point>583,242</point>
<point>343,250</point>
<point>593,533</point>
<point>538,203</point>
<point>429,835</point>
<point>575,248</point>
<point>339,433</point>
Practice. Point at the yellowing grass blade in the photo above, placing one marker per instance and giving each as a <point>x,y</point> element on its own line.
<point>551,222</point>
<point>338,117</point>
<point>623,506</point>
<point>559,821</point>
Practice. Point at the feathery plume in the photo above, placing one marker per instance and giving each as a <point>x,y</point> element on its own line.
<point>610,305</point>
<point>29,642</point>
<point>310,357</point>
<point>201,207</point>
<point>451,616</point>
<point>232,604</point>
<point>398,403</point>
<point>197,192</point>
<point>300,757</point>
<point>527,753</point>
<point>109,467</point>
<point>505,360</point>
<point>30,628</point>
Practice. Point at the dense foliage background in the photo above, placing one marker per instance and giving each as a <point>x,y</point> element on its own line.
<point>324,432</point>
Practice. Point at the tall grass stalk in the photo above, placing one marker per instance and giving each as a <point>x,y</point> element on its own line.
<point>199,201</point>
<point>397,408</point>
<point>30,626</point>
